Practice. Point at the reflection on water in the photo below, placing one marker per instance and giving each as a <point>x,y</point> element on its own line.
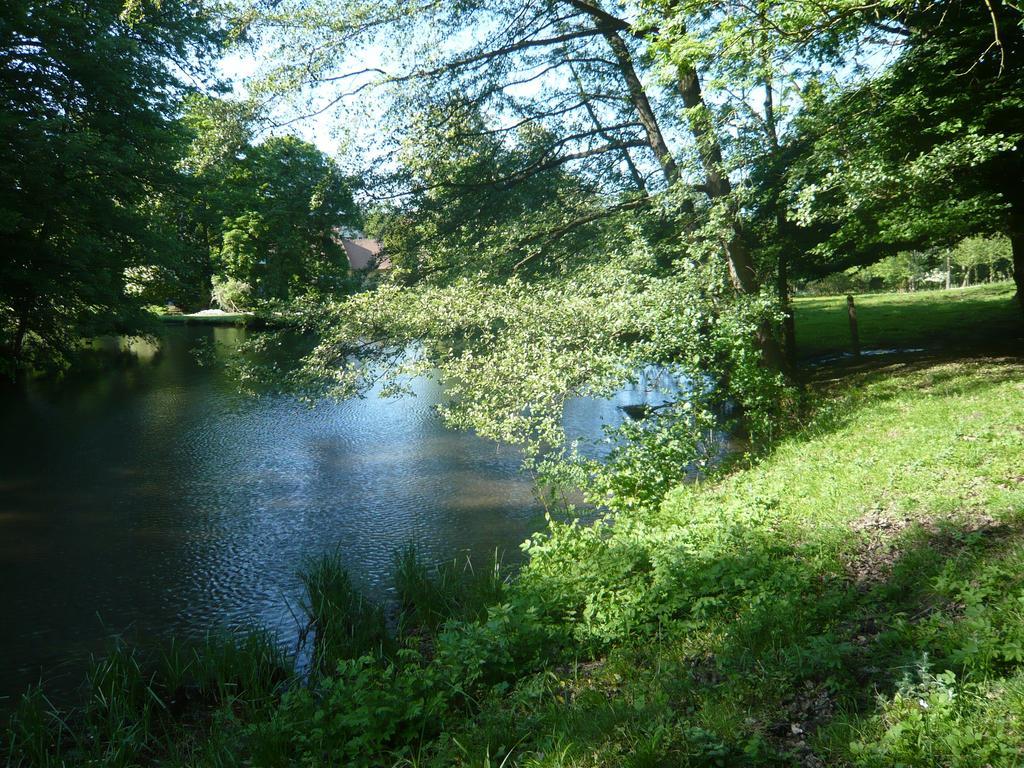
<point>153,500</point>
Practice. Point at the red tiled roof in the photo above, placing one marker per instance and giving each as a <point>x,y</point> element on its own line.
<point>365,254</point>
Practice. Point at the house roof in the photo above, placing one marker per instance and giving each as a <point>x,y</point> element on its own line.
<point>365,254</point>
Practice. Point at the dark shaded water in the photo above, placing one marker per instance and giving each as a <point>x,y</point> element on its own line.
<point>152,501</point>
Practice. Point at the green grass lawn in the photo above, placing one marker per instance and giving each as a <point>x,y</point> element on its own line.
<point>857,598</point>
<point>960,318</point>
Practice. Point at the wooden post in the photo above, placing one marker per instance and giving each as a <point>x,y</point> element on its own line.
<point>854,336</point>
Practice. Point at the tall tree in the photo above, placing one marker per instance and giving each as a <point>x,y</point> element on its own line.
<point>280,229</point>
<point>924,153</point>
<point>220,133</point>
<point>493,97</point>
<point>88,91</point>
<point>574,67</point>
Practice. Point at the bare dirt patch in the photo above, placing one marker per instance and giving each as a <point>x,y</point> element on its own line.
<point>884,540</point>
<point>808,709</point>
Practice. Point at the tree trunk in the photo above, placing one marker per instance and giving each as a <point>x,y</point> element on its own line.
<point>738,256</point>
<point>18,348</point>
<point>638,97</point>
<point>1017,244</point>
<point>611,28</point>
<point>634,172</point>
<point>741,264</point>
<point>788,319</point>
<point>781,226</point>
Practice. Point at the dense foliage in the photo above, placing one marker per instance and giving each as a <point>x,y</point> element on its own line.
<point>122,187</point>
<point>581,189</point>
<point>88,92</point>
<point>925,152</point>
<point>260,220</point>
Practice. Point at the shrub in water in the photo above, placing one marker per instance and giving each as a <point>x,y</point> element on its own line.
<point>344,624</point>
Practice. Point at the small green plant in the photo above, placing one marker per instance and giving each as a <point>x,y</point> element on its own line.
<point>247,670</point>
<point>343,624</point>
<point>369,711</point>
<point>431,595</point>
<point>36,733</point>
<point>935,719</point>
<point>230,294</point>
<point>133,701</point>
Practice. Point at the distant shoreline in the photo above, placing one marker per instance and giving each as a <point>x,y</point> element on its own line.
<point>227,318</point>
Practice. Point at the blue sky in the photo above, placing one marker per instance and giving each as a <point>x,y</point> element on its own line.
<point>241,65</point>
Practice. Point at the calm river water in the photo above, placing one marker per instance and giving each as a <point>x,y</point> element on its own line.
<point>153,501</point>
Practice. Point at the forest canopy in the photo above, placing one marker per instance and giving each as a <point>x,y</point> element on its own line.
<point>130,179</point>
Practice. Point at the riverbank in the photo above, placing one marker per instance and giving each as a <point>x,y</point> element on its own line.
<point>146,497</point>
<point>208,318</point>
<point>853,599</point>
<point>963,320</point>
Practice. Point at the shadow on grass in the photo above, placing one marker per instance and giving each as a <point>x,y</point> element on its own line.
<point>983,319</point>
<point>775,656</point>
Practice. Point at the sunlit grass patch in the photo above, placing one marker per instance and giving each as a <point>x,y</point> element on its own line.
<point>979,316</point>
<point>764,605</point>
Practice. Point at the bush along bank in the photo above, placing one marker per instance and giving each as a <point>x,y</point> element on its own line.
<point>854,598</point>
